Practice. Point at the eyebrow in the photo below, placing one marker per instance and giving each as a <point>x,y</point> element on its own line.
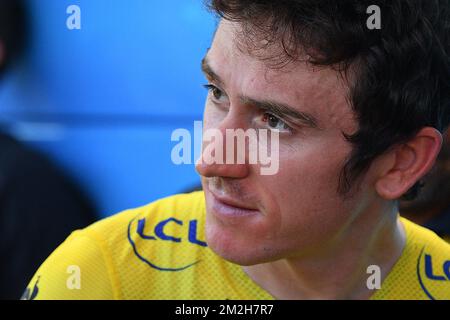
<point>282,110</point>
<point>209,72</point>
<point>276,108</point>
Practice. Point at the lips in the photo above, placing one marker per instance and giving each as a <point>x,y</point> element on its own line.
<point>231,202</point>
<point>224,205</point>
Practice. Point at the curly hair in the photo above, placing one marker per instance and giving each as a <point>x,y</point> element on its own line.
<point>400,73</point>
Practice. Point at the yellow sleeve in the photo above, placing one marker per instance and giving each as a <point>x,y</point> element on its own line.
<point>77,270</point>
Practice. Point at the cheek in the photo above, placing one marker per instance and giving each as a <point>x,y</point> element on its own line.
<point>212,116</point>
<point>309,173</point>
<point>303,195</point>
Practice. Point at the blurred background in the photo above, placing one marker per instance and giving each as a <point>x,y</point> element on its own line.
<point>86,116</point>
<point>103,101</point>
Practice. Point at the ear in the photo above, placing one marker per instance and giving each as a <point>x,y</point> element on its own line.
<point>408,163</point>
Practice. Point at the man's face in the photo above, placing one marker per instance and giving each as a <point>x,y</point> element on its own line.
<point>253,218</point>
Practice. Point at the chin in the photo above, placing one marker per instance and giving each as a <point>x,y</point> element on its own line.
<point>237,250</point>
<point>238,258</point>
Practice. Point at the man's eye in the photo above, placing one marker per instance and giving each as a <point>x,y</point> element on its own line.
<point>273,122</point>
<point>215,92</point>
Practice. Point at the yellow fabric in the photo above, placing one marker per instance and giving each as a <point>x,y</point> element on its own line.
<point>423,270</point>
<point>158,252</point>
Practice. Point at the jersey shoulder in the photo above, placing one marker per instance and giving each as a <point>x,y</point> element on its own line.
<point>153,231</point>
<point>77,270</point>
<point>423,270</point>
<point>106,256</point>
<point>163,215</point>
<point>432,261</point>
<point>159,251</point>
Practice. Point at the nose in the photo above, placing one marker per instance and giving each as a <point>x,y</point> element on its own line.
<point>222,149</point>
<point>237,171</point>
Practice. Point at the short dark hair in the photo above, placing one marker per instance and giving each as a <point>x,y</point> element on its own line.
<point>12,31</point>
<point>401,72</point>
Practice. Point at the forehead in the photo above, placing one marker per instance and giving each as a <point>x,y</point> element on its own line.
<point>318,90</point>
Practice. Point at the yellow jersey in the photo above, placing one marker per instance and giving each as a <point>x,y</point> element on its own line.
<point>158,252</point>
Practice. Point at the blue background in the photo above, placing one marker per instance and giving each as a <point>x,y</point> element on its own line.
<point>103,101</point>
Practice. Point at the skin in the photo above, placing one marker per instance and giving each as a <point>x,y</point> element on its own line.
<point>434,199</point>
<point>300,238</point>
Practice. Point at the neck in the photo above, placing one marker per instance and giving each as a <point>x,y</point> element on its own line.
<point>337,270</point>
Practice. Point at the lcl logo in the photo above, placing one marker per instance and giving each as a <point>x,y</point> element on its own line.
<point>160,233</point>
<point>436,281</point>
<point>439,276</point>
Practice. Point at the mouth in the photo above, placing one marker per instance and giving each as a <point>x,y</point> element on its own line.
<point>225,206</point>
